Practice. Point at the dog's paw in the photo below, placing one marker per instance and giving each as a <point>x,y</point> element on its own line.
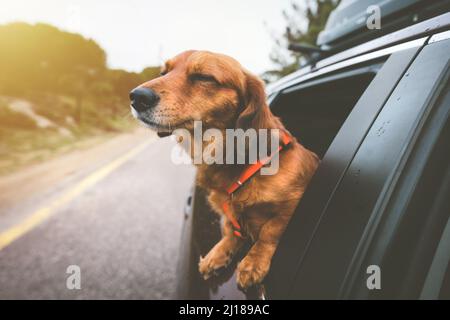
<point>251,271</point>
<point>214,260</point>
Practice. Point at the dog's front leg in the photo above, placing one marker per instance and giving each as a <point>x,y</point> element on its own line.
<point>222,253</point>
<point>255,265</point>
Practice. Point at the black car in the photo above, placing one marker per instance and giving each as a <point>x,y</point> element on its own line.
<point>374,105</point>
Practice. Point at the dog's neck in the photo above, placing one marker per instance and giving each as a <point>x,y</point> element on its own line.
<point>215,175</point>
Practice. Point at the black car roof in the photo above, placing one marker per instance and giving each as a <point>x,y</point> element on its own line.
<point>416,31</point>
<point>350,16</point>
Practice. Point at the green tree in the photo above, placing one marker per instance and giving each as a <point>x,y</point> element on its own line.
<point>34,57</point>
<point>65,78</point>
<point>39,60</point>
<point>304,21</point>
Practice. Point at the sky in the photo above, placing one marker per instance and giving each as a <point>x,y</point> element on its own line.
<point>140,33</point>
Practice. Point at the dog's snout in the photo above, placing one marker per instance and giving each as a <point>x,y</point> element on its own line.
<point>143,99</point>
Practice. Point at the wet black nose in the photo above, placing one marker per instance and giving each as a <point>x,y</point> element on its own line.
<point>143,99</point>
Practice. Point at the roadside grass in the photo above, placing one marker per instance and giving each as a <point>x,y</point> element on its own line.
<point>22,142</point>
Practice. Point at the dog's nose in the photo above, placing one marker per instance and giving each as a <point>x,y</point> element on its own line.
<point>143,98</point>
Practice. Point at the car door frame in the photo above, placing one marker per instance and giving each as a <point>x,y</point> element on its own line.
<point>321,270</point>
<point>334,165</point>
<point>379,239</point>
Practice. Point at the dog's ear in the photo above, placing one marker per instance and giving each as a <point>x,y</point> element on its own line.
<point>255,111</point>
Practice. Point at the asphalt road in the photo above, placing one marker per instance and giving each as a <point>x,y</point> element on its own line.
<point>122,230</point>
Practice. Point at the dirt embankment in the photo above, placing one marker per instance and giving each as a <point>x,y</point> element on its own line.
<point>33,131</point>
<point>91,153</point>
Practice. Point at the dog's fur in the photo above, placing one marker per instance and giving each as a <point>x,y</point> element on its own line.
<point>214,88</point>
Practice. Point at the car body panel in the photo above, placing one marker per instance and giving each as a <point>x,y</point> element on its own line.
<point>332,168</point>
<point>369,178</point>
<point>390,212</point>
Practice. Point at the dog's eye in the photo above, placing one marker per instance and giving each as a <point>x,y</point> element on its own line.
<point>202,77</point>
<point>163,73</point>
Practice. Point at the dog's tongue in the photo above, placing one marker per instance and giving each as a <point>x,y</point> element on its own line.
<point>163,134</point>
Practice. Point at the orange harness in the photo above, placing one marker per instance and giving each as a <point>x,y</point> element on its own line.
<point>244,177</point>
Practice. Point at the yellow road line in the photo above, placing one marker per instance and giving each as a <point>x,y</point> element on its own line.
<point>15,232</point>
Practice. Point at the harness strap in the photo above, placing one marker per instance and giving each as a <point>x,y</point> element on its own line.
<point>249,172</point>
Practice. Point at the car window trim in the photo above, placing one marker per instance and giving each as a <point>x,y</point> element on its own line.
<point>371,103</point>
<point>373,68</point>
<point>304,75</point>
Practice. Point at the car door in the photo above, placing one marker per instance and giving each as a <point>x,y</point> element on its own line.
<point>407,225</point>
<point>337,230</point>
<point>334,164</point>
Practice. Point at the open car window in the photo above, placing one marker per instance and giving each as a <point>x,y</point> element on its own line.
<point>353,100</point>
<point>338,247</point>
<point>315,111</point>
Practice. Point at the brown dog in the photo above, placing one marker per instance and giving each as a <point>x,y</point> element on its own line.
<point>215,89</point>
